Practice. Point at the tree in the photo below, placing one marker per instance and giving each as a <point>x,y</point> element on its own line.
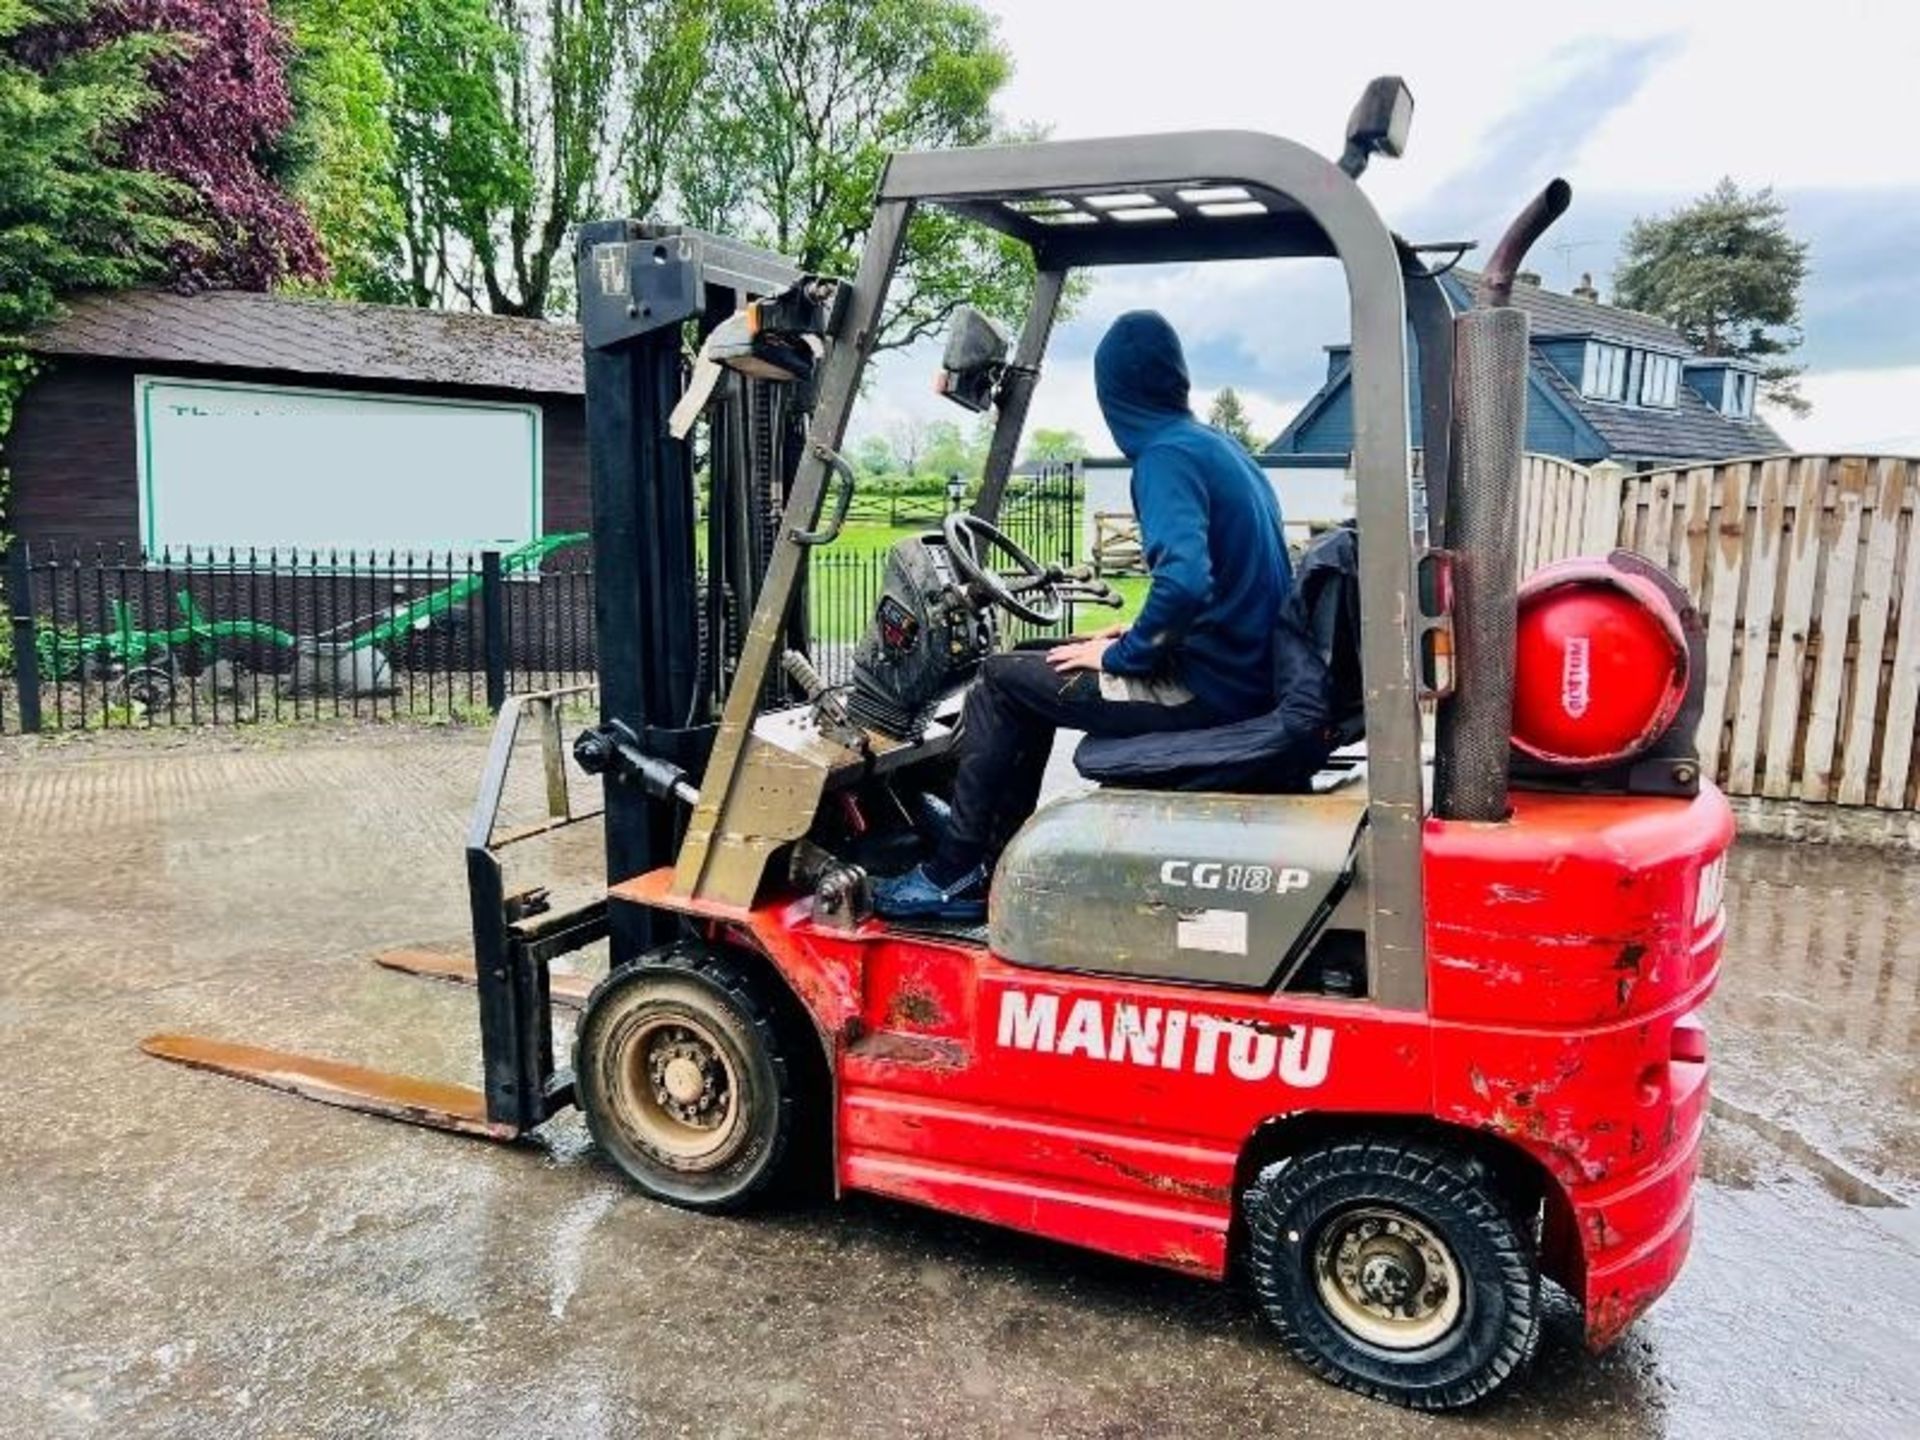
<point>456,165</point>
<point>218,125</point>
<point>787,139</point>
<point>874,456</point>
<point>908,435</point>
<point>1055,447</point>
<point>341,147</point>
<point>72,214</point>
<point>513,120</point>
<point>954,449</point>
<point>1726,273</point>
<point>946,450</point>
<point>1228,414</point>
<point>509,121</point>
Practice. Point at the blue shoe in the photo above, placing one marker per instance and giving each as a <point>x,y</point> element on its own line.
<point>914,896</point>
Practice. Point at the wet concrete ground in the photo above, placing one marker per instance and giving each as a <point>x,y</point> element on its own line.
<point>182,1255</point>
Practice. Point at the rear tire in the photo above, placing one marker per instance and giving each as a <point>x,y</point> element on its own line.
<point>680,1070</point>
<point>1395,1269</point>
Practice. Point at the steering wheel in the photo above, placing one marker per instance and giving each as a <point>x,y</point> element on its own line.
<point>1030,593</point>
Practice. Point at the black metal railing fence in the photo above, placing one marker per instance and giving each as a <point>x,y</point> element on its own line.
<point>100,637</point>
<point>104,638</point>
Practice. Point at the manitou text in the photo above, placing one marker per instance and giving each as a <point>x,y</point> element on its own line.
<point>1166,1039</point>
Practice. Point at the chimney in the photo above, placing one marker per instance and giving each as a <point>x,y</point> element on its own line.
<point>1585,291</point>
<point>1527,277</point>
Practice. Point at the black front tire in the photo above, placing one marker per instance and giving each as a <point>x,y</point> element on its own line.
<point>1462,1338</point>
<point>682,1073</point>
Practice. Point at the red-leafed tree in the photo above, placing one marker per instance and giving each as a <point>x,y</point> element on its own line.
<point>218,128</point>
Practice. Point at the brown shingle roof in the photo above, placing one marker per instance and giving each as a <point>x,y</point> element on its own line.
<point>321,338</point>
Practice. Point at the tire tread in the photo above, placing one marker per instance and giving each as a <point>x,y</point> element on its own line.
<point>687,960</point>
<point>1463,1182</point>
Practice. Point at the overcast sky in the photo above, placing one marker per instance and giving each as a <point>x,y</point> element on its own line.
<point>1640,105</point>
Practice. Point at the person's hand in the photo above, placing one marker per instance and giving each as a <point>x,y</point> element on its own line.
<point>1079,654</point>
<point>1112,632</point>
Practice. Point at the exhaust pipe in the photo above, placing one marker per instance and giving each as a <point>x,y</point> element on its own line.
<point>1496,281</point>
<point>1474,727</point>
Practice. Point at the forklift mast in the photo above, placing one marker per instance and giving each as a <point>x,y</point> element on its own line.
<point>641,286</point>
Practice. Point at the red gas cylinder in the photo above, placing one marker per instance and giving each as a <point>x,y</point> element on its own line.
<point>1601,664</point>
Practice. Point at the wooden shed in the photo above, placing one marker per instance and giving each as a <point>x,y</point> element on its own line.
<point>223,419</point>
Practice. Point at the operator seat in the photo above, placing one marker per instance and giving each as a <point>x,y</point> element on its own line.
<point>1319,704</point>
<point>1327,588</point>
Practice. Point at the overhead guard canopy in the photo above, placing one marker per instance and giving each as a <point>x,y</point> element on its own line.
<point>1138,200</point>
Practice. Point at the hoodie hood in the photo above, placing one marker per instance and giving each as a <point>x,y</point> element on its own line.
<point>1140,377</point>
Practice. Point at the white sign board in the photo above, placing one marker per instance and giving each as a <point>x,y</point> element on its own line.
<point>314,470</point>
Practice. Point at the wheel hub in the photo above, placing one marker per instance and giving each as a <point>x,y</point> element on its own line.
<point>1388,1278</point>
<point>684,1080</point>
<point>675,1093</point>
<point>688,1078</point>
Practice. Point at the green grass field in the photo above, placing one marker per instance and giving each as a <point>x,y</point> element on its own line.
<point>846,577</point>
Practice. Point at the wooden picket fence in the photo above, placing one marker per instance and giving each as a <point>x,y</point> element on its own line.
<point>1802,566</point>
<point>1567,510</point>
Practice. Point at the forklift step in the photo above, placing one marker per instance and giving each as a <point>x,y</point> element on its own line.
<point>456,968</point>
<point>432,1103</point>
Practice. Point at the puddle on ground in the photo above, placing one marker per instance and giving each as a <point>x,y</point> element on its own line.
<point>1816,1023</point>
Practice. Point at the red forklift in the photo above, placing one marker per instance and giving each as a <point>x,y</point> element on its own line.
<point>1392,1040</point>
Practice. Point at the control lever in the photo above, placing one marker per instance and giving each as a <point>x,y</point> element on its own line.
<point>1079,582</point>
<point>829,705</point>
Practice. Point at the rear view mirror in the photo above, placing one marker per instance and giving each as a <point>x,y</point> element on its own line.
<point>1379,123</point>
<point>975,359</point>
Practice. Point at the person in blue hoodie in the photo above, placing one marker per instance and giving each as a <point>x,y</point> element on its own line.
<point>1200,653</point>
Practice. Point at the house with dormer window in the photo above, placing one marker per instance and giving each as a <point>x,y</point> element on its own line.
<point>1604,384</point>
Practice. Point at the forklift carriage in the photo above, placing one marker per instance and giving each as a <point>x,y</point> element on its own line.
<point>1394,1047</point>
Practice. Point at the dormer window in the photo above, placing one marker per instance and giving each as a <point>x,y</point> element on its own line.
<point>1630,377</point>
<point>1736,396</point>
<point>1604,377</point>
<point>1660,381</point>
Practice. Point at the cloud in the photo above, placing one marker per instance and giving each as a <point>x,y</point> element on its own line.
<point>1862,298</point>
<point>1787,95</point>
<point>1261,326</point>
<point>1543,136</point>
<point>1875,412</point>
<point>1258,325</point>
<point>1642,106</point>
<point>1862,295</point>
